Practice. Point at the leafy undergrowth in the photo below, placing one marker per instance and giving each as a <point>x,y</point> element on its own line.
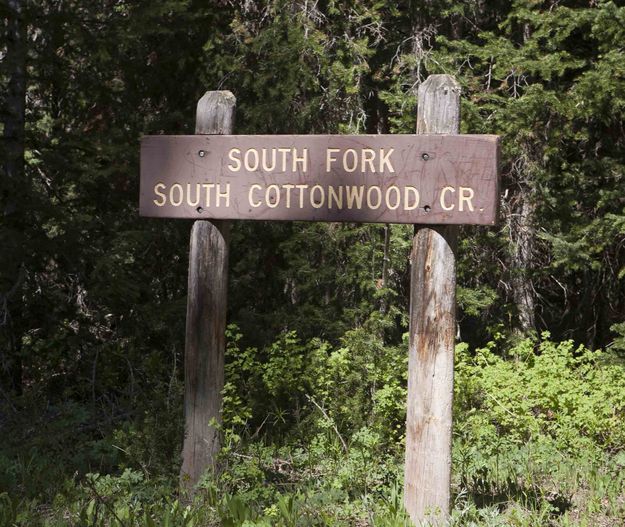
<point>539,441</point>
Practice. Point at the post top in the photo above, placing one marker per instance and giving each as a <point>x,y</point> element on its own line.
<point>219,96</point>
<point>438,105</point>
<point>215,113</point>
<point>437,81</point>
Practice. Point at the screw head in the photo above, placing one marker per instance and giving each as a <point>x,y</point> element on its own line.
<point>425,156</point>
<point>201,153</point>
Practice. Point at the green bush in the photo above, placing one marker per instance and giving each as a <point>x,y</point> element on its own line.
<point>541,390</point>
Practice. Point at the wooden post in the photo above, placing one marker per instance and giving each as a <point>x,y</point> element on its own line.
<point>206,315</point>
<point>432,335</point>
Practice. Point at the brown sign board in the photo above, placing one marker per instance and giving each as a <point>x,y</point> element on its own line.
<point>431,179</point>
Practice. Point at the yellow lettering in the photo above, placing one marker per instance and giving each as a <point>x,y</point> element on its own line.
<point>301,189</point>
<point>415,194</point>
<point>367,158</point>
<point>466,194</point>
<point>300,160</point>
<point>232,156</point>
<point>338,198</point>
<point>379,202</point>
<point>329,158</point>
<point>272,202</point>
<point>284,152</point>
<point>197,195</point>
<point>208,187</point>
<point>225,195</point>
<point>266,166</point>
<point>319,189</point>
<point>385,160</point>
<point>250,197</point>
<point>160,195</point>
<point>251,167</point>
<point>288,188</point>
<point>394,189</point>
<point>177,187</point>
<point>354,156</point>
<point>354,195</point>
<point>442,199</point>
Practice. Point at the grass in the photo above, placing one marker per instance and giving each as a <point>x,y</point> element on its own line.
<point>529,486</point>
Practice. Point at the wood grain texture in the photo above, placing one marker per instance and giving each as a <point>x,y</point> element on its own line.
<point>206,316</point>
<point>215,113</point>
<point>432,335</point>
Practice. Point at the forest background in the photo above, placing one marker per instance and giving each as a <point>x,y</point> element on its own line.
<point>92,297</point>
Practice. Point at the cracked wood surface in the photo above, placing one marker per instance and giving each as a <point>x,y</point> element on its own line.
<point>432,335</point>
<point>206,316</point>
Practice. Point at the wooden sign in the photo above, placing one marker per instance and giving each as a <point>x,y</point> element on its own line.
<point>429,179</point>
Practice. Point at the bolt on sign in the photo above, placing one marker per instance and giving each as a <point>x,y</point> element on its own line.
<point>431,179</point>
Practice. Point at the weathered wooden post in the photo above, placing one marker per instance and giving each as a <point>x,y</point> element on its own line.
<point>432,334</point>
<point>206,313</point>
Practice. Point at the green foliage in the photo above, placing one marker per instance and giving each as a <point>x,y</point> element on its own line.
<point>126,500</point>
<point>540,424</point>
<point>618,344</point>
<point>538,440</point>
<point>574,396</point>
<point>359,385</point>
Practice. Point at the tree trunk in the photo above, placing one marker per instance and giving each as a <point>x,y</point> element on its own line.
<point>522,235</point>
